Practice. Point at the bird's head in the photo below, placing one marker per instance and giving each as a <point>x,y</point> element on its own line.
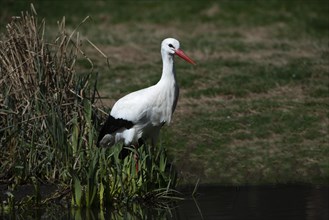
<point>171,46</point>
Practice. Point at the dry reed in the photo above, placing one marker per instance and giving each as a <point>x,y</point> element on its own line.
<point>41,93</point>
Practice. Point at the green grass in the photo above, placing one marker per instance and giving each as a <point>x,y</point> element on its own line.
<point>255,108</point>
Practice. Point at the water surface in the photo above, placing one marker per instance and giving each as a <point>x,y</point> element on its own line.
<point>287,202</point>
<point>251,202</point>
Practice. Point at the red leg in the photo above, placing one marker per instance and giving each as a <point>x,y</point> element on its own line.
<point>136,158</point>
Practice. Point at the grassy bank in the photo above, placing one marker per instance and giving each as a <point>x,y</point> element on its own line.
<point>255,108</point>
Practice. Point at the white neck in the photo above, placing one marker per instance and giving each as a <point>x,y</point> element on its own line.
<point>168,69</point>
<point>167,88</point>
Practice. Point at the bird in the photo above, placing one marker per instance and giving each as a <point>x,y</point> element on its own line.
<point>140,115</point>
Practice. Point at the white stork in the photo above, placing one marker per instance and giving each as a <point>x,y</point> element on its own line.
<point>141,114</point>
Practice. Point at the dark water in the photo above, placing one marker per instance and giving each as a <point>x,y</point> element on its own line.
<point>280,202</point>
<point>215,202</point>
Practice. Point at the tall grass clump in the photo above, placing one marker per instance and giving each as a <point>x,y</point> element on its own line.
<point>43,101</point>
<point>49,122</point>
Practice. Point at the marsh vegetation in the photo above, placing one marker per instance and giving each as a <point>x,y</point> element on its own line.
<point>50,119</point>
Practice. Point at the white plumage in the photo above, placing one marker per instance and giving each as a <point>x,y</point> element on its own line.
<point>141,114</point>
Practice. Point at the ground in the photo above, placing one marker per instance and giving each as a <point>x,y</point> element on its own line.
<point>253,110</point>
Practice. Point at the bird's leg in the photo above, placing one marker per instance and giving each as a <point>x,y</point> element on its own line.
<point>124,153</point>
<point>136,157</point>
<point>154,140</point>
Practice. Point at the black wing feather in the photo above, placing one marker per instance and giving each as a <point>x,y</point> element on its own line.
<point>112,125</point>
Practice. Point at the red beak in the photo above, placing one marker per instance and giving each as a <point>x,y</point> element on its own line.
<point>182,55</point>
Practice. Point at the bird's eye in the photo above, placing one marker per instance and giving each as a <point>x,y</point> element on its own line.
<point>170,45</point>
